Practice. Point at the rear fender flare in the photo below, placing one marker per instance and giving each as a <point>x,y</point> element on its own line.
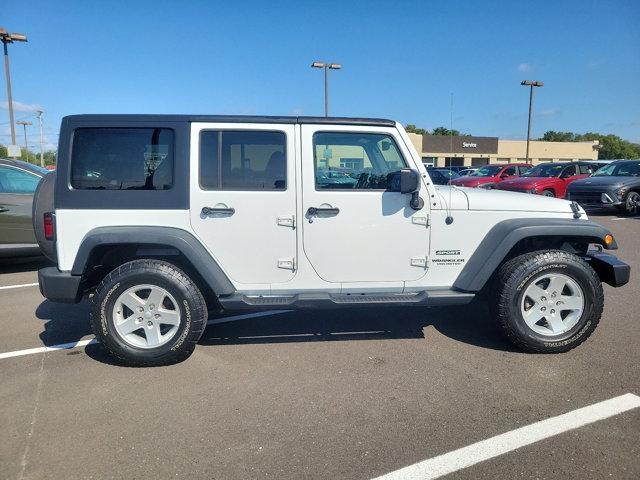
<point>179,239</point>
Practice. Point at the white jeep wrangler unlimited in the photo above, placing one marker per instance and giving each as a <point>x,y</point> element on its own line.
<point>164,219</point>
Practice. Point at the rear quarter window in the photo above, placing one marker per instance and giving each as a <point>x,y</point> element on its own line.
<point>122,159</point>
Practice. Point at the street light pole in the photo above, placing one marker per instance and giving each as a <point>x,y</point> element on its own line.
<point>327,67</point>
<point>7,38</point>
<point>530,84</point>
<point>39,113</point>
<point>26,144</point>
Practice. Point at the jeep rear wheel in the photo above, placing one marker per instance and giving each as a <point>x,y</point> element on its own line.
<point>148,313</point>
<point>548,301</point>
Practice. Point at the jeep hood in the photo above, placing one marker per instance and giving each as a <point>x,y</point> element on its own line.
<point>496,200</point>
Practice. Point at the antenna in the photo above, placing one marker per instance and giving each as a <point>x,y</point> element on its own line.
<point>449,219</point>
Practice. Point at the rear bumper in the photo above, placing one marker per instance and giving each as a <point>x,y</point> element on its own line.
<point>610,270</point>
<point>59,286</point>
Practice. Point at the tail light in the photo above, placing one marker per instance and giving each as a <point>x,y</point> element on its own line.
<point>49,227</point>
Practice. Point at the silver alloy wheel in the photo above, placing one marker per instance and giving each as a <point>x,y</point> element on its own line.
<point>146,316</point>
<point>552,304</point>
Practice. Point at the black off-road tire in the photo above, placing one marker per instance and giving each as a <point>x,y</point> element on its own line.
<point>192,305</point>
<point>515,276</point>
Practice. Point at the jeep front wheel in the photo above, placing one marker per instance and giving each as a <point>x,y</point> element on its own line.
<point>548,301</point>
<point>148,313</point>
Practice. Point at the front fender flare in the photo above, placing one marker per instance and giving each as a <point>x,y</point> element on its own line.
<point>506,234</point>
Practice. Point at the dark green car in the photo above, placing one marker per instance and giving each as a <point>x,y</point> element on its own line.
<point>18,182</point>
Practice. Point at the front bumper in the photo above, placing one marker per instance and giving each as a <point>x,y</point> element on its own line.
<point>595,198</point>
<point>59,286</point>
<point>610,269</point>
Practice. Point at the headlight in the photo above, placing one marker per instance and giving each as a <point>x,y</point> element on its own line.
<point>533,190</point>
<point>622,191</point>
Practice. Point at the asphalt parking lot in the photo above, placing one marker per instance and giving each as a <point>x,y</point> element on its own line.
<point>348,394</point>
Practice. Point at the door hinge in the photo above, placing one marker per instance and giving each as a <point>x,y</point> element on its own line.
<point>419,262</point>
<point>289,221</point>
<point>421,220</point>
<point>287,263</point>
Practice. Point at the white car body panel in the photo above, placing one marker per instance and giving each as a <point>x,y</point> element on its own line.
<point>367,247</point>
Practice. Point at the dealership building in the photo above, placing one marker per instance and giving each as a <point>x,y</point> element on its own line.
<point>444,151</point>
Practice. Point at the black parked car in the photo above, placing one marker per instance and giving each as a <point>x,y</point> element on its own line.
<point>614,185</point>
<point>441,176</point>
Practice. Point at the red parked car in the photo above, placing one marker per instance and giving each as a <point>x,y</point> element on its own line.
<point>548,179</point>
<point>490,175</point>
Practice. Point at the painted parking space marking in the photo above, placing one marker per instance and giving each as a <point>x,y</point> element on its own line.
<point>91,341</point>
<point>24,285</point>
<point>52,348</point>
<point>507,442</point>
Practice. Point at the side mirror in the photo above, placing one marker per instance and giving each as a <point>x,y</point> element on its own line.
<point>407,181</point>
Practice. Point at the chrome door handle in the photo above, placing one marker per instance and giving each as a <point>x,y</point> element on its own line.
<point>314,211</point>
<point>217,210</point>
<point>3,209</point>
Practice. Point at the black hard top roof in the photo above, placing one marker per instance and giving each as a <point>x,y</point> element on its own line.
<point>378,122</point>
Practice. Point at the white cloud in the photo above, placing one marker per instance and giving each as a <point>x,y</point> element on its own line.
<point>21,107</point>
<point>551,112</point>
<point>525,67</point>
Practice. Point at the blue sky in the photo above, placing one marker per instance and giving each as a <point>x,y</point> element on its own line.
<point>401,60</point>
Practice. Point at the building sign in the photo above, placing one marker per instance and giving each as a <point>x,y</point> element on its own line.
<point>467,144</point>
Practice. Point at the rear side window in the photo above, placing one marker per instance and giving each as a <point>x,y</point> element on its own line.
<point>122,159</point>
<point>587,169</point>
<point>242,160</point>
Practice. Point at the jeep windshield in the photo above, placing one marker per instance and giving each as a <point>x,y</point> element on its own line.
<point>546,170</point>
<point>622,169</point>
<point>486,171</point>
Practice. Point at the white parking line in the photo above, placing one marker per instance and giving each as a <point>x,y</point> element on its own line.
<point>61,346</point>
<point>478,452</point>
<point>9,287</point>
<point>91,341</point>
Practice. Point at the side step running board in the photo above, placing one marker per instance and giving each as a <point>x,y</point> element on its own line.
<point>428,298</point>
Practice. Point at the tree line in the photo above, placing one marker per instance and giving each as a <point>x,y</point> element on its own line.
<point>611,146</point>
<point>32,157</point>
<point>411,128</point>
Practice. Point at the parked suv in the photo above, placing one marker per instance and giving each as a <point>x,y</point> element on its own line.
<point>163,220</point>
<point>615,185</point>
<point>490,175</point>
<point>548,179</point>
<point>18,182</point>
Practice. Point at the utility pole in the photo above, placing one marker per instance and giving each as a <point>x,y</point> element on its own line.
<point>8,38</point>
<point>26,144</point>
<point>39,113</point>
<point>327,67</point>
<point>530,84</point>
